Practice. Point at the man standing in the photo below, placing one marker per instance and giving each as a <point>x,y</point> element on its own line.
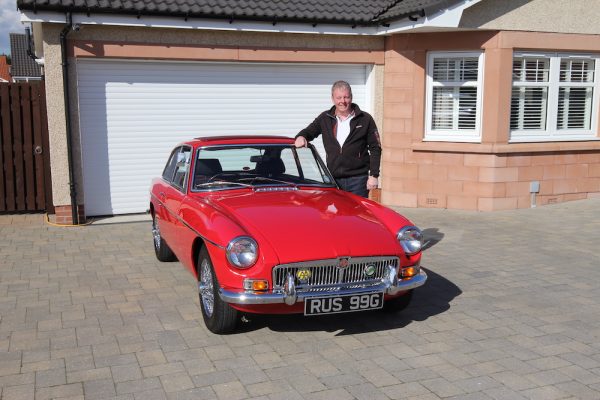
<point>351,142</point>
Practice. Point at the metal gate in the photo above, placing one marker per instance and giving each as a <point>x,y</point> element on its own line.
<point>25,182</point>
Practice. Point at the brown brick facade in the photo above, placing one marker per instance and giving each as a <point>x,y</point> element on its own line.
<point>487,176</point>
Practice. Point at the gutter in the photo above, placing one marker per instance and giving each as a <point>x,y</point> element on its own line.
<point>65,73</point>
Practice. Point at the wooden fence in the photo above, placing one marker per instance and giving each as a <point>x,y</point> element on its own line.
<point>25,182</point>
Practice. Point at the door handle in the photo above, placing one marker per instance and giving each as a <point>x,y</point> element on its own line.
<point>162,196</point>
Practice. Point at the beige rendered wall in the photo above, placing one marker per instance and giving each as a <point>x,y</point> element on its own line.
<point>153,43</point>
<point>486,176</point>
<point>562,16</point>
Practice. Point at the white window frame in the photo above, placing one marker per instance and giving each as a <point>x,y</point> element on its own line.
<point>463,135</point>
<point>552,133</point>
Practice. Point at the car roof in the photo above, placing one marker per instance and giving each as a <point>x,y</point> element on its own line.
<point>240,139</point>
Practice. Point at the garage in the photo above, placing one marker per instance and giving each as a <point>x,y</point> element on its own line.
<point>132,113</point>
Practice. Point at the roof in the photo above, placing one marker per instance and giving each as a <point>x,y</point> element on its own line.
<point>354,12</point>
<point>4,69</point>
<point>239,139</point>
<point>22,65</point>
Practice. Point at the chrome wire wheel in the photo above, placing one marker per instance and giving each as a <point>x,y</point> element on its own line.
<point>156,234</point>
<point>161,248</point>
<point>205,288</point>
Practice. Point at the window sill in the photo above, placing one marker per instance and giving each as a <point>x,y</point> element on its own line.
<point>503,148</point>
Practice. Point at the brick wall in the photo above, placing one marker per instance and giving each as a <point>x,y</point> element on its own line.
<point>63,215</point>
<point>486,176</point>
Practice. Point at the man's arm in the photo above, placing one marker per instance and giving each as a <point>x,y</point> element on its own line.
<point>374,145</point>
<point>309,133</point>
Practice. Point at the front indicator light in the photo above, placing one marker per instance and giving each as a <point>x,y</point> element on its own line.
<point>256,285</point>
<point>409,272</point>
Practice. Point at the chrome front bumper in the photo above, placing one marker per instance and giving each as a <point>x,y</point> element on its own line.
<point>390,285</point>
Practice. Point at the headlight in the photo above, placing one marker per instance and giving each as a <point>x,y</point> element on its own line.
<point>411,239</point>
<point>242,252</point>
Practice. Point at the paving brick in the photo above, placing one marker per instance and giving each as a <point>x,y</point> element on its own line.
<point>230,391</point>
<point>127,372</point>
<point>176,382</point>
<point>88,375</point>
<point>21,392</point>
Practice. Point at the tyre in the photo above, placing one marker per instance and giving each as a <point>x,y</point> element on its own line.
<point>219,316</point>
<point>161,248</point>
<point>399,303</point>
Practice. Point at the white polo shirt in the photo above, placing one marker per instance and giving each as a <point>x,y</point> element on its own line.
<point>343,128</point>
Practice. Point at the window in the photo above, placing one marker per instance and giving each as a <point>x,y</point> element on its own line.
<point>182,167</point>
<point>554,97</point>
<point>454,96</point>
<point>170,167</point>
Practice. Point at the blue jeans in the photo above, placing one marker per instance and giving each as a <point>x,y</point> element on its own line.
<point>355,184</point>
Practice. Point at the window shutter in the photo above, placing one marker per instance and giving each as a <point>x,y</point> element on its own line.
<point>443,108</point>
<point>454,94</point>
<point>528,108</point>
<point>467,108</point>
<point>574,108</point>
<point>575,94</point>
<point>529,100</point>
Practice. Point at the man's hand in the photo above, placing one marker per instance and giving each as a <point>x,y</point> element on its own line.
<point>301,142</point>
<point>372,183</point>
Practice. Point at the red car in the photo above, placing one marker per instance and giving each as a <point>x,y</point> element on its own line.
<point>265,229</point>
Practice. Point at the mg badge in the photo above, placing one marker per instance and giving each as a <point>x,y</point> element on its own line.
<point>369,271</point>
<point>303,275</point>
<point>343,262</point>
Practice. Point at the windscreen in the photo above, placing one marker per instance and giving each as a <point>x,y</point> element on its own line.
<point>225,167</point>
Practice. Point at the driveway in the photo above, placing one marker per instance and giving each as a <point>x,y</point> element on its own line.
<point>511,311</point>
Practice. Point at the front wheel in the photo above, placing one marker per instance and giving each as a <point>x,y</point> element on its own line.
<point>399,303</point>
<point>219,316</point>
<point>161,248</point>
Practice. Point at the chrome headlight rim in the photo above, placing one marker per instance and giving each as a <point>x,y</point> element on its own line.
<point>233,257</point>
<point>411,239</point>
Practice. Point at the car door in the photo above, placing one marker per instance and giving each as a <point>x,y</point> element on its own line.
<point>175,195</point>
<point>159,194</point>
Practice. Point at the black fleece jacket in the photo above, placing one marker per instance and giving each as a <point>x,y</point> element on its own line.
<point>360,153</point>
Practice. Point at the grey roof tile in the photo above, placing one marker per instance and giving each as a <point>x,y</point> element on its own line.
<point>360,12</point>
<point>21,64</point>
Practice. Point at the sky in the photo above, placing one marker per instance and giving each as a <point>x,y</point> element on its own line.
<point>9,22</point>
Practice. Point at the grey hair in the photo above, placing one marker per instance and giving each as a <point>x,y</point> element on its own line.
<point>343,85</point>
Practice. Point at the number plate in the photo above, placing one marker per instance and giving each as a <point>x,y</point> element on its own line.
<point>342,304</point>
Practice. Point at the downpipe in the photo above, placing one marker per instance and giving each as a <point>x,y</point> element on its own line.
<point>65,73</point>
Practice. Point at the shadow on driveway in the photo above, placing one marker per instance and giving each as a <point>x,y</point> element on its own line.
<point>431,237</point>
<point>431,299</point>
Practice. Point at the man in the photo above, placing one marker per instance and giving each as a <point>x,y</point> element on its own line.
<point>351,142</point>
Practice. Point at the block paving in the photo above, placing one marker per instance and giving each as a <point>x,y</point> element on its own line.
<point>511,311</point>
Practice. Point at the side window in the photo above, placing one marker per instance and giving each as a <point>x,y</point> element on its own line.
<point>170,167</point>
<point>287,156</point>
<point>182,167</point>
<point>310,167</point>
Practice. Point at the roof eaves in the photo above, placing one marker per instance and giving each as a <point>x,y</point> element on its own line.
<point>57,7</point>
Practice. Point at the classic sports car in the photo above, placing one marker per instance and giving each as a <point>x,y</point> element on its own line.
<point>265,229</point>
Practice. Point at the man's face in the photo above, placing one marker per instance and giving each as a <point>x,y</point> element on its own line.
<point>342,99</point>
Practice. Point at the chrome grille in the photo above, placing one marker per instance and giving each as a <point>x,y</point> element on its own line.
<point>327,275</point>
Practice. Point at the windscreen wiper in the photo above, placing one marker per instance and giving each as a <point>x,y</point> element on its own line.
<point>265,179</point>
<point>220,183</point>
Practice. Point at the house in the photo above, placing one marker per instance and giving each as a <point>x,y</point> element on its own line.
<point>23,68</point>
<point>4,70</point>
<point>482,105</point>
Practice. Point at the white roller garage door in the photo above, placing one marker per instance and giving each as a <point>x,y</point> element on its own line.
<point>132,113</point>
